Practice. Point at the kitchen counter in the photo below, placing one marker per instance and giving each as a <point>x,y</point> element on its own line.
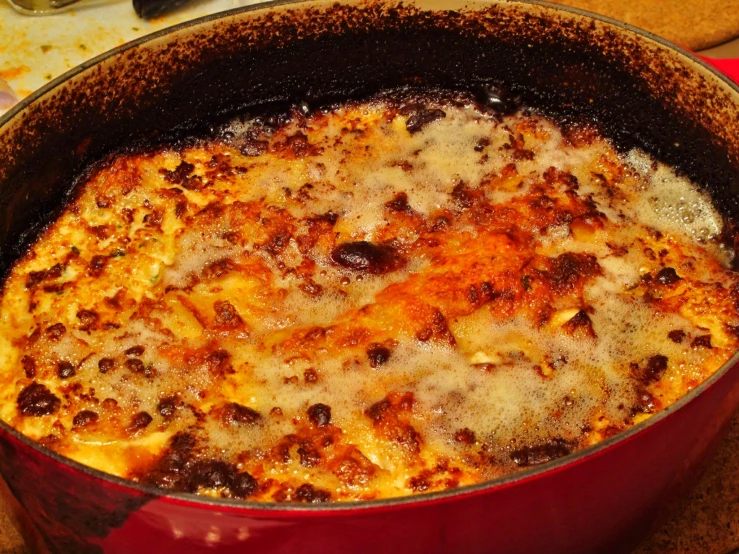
<point>34,51</point>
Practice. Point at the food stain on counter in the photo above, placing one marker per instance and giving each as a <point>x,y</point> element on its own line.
<point>35,50</point>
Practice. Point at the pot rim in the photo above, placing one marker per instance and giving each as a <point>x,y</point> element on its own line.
<point>335,508</point>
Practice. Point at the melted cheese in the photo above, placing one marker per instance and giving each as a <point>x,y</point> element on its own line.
<point>393,296</point>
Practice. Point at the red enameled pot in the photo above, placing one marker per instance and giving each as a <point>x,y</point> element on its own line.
<point>640,90</point>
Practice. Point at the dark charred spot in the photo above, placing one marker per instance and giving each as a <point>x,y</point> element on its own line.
<point>440,223</point>
<point>137,350</point>
<point>65,370</point>
<point>97,265</point>
<point>180,209</point>
<point>391,417</point>
<point>167,406</point>
<point>329,217</point>
<point>154,219</point>
<point>29,366</point>
<point>88,319</point>
<point>311,288</point>
<point>298,145</point>
<point>194,182</point>
<point>465,436</point>
<point>526,282</point>
<point>677,336</point>
<point>252,146</point>
<point>368,257</point>
<point>236,413</point>
<point>399,203</point>
<point>581,323</point>
<point>436,327</point>
<point>308,493</point>
<point>106,364</point>
<point>217,362</point>
<point>277,242</point>
<point>35,277</point>
<point>651,371</point>
<point>37,400</point>
<point>218,268</point>
<point>309,454</point>
<point>139,421</point>
<point>101,231</point>
<point>137,366</point>
<point>704,341</point>
<point>481,144</point>
<point>210,474</point>
<point>54,288</point>
<point>667,276</point>
<point>178,176</point>
<point>568,268</point>
<point>378,355</point>
<point>405,165</point>
<point>319,415</point>
<point>56,331</point>
<point>419,483</point>
<point>477,295</point>
<point>462,196</point>
<point>645,402</point>
<point>226,315</point>
<point>310,375</point>
<point>84,418</point>
<point>420,117</point>
<point>377,411</point>
<point>498,100</point>
<point>243,485</point>
<point>182,441</point>
<point>472,295</point>
<point>539,454</point>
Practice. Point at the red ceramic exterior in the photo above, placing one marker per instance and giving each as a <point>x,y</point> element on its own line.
<point>728,67</point>
<point>601,500</point>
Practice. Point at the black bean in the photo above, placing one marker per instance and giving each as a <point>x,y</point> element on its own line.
<point>85,417</point>
<point>243,485</point>
<point>65,370</point>
<point>367,256</point>
<point>378,355</point>
<point>137,350</point>
<point>139,421</point>
<point>167,406</point>
<point>319,414</point>
<point>308,493</point>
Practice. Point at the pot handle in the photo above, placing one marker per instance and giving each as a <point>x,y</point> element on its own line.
<point>729,67</point>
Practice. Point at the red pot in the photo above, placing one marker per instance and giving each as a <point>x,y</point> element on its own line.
<point>640,90</point>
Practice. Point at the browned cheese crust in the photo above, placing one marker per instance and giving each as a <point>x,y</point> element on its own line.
<point>406,294</point>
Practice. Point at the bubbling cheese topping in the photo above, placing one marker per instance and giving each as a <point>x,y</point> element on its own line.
<point>404,294</point>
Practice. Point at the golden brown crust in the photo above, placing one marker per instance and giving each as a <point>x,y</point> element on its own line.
<point>396,296</point>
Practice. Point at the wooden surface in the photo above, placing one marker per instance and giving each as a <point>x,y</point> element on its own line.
<point>694,24</point>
